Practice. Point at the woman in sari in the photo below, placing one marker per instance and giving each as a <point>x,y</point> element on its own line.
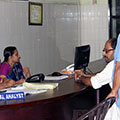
<point>11,68</point>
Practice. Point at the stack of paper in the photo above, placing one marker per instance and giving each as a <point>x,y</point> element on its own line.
<point>26,91</point>
<point>20,88</point>
<point>37,86</point>
<point>56,78</point>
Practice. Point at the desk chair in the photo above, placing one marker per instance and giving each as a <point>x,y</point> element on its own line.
<point>96,113</point>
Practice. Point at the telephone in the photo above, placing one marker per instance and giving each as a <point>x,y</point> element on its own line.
<point>36,78</point>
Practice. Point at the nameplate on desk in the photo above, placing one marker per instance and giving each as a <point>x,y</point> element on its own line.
<point>12,96</point>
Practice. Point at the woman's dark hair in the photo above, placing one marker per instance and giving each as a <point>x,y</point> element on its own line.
<point>113,43</point>
<point>8,51</point>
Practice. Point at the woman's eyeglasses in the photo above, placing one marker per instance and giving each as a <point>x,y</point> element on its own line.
<point>106,51</point>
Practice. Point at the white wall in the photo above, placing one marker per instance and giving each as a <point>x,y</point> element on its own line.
<point>39,46</point>
<point>49,47</point>
<point>71,1</point>
<point>94,28</point>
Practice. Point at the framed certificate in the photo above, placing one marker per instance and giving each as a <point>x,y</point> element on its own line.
<point>35,13</point>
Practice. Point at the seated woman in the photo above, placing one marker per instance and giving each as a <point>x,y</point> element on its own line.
<point>11,67</point>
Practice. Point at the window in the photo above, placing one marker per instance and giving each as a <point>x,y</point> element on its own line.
<point>114,25</point>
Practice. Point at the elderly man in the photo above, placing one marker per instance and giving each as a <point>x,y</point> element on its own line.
<point>105,76</point>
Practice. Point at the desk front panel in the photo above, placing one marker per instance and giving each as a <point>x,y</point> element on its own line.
<point>53,105</point>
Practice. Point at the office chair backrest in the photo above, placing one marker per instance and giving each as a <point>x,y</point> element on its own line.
<point>99,111</point>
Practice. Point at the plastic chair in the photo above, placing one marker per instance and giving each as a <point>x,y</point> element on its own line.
<point>96,113</point>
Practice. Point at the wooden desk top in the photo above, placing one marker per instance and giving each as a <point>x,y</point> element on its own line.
<point>65,89</point>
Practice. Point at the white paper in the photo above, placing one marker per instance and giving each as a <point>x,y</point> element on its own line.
<point>56,77</point>
<point>20,88</point>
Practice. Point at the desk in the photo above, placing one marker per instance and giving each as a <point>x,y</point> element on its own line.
<point>52,105</point>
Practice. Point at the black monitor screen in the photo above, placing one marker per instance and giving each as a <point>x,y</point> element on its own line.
<point>82,55</point>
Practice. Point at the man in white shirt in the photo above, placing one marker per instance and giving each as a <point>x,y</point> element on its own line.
<point>105,76</point>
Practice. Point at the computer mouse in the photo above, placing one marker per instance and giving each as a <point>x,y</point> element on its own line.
<point>56,74</point>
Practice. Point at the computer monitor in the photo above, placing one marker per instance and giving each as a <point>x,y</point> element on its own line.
<point>81,60</point>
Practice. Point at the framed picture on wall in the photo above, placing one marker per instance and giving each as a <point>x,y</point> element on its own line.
<point>35,13</point>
